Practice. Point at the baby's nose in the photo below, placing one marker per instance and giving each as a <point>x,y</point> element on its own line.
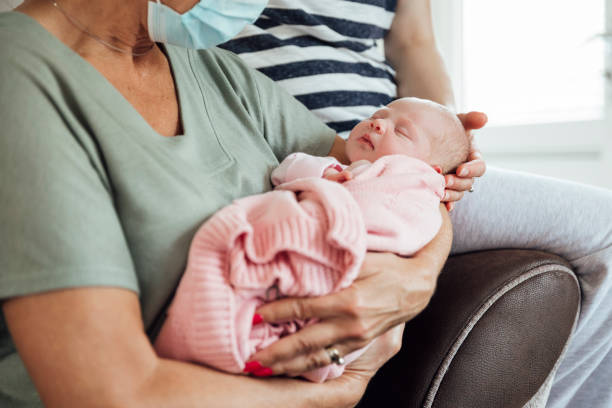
<point>378,126</point>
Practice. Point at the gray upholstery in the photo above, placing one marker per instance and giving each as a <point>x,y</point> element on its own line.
<point>493,331</point>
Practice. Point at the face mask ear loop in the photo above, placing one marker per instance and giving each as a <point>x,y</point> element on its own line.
<point>154,16</point>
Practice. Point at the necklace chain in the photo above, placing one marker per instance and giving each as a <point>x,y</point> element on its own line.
<point>81,27</point>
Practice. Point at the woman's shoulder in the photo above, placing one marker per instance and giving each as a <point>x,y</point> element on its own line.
<point>225,65</point>
<point>27,50</point>
<point>220,57</point>
<point>228,67</point>
<point>19,33</point>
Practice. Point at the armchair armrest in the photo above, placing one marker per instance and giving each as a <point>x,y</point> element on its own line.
<point>492,333</point>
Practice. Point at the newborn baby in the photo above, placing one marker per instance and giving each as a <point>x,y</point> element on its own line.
<point>413,127</point>
<point>309,236</point>
<point>395,156</point>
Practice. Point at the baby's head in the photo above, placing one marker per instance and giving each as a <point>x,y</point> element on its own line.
<point>415,127</point>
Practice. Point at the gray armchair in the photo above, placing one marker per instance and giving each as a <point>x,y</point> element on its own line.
<point>490,337</point>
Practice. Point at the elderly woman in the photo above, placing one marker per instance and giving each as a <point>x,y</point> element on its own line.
<point>114,149</point>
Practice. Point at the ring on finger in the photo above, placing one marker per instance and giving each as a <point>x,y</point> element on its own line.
<point>334,355</point>
<point>471,190</point>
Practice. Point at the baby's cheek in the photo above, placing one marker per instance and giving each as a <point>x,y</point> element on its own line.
<point>361,154</point>
<point>352,150</point>
<point>407,148</point>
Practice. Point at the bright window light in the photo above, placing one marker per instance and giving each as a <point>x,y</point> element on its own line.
<point>529,61</point>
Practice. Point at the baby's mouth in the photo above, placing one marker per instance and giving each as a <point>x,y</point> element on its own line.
<point>365,139</point>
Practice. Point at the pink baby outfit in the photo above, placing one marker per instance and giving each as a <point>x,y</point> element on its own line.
<point>398,196</point>
<point>306,238</point>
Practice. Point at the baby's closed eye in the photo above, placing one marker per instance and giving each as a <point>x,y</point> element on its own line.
<point>402,131</point>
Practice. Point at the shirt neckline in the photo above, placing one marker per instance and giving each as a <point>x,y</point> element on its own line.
<point>99,84</point>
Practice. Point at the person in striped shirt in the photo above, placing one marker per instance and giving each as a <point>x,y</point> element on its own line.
<point>345,59</point>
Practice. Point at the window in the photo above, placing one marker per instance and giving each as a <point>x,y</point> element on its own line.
<point>538,68</point>
<point>534,61</point>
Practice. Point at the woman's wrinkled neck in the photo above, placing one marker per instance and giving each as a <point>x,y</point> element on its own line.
<point>123,24</point>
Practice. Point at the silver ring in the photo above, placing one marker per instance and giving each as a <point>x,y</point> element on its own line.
<point>334,355</point>
<point>471,190</point>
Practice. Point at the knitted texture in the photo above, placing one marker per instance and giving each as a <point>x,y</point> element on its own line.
<point>306,239</point>
<point>399,198</point>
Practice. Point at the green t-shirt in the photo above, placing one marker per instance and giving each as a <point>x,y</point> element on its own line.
<point>91,195</point>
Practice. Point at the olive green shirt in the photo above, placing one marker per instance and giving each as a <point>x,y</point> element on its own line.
<point>91,195</point>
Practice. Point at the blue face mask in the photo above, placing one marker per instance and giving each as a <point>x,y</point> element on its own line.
<point>208,23</point>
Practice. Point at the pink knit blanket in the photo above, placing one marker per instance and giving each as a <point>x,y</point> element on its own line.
<point>307,238</point>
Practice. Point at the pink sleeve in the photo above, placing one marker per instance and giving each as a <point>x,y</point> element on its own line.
<point>301,165</point>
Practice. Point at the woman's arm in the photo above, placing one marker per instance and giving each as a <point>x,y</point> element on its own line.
<point>390,290</point>
<point>338,150</point>
<point>410,46</point>
<point>89,345</point>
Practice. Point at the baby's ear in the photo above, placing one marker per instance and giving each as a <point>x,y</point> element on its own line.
<point>437,168</point>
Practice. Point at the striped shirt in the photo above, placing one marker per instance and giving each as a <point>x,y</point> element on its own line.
<point>329,54</point>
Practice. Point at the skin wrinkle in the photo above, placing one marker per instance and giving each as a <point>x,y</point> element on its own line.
<point>110,24</point>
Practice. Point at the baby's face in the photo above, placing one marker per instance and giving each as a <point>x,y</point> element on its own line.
<point>405,126</point>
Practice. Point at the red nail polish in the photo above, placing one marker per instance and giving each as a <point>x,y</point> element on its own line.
<point>263,372</point>
<point>257,319</point>
<point>252,366</point>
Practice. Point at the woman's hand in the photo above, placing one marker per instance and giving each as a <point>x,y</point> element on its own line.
<point>390,290</point>
<point>380,351</point>
<point>460,182</point>
<point>358,374</point>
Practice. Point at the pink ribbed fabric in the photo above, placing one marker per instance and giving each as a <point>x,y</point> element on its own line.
<point>306,239</point>
<point>399,197</point>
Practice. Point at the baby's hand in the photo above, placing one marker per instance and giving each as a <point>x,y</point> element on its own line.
<point>340,177</point>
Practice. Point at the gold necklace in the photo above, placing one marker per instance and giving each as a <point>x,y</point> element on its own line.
<point>81,27</point>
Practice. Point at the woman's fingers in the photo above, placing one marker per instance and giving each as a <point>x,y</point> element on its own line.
<point>457,184</point>
<point>311,342</point>
<point>306,341</point>
<point>317,359</point>
<point>289,309</point>
<point>472,168</point>
<point>463,180</point>
<point>349,319</point>
<point>452,195</point>
<point>380,351</point>
<point>473,120</point>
